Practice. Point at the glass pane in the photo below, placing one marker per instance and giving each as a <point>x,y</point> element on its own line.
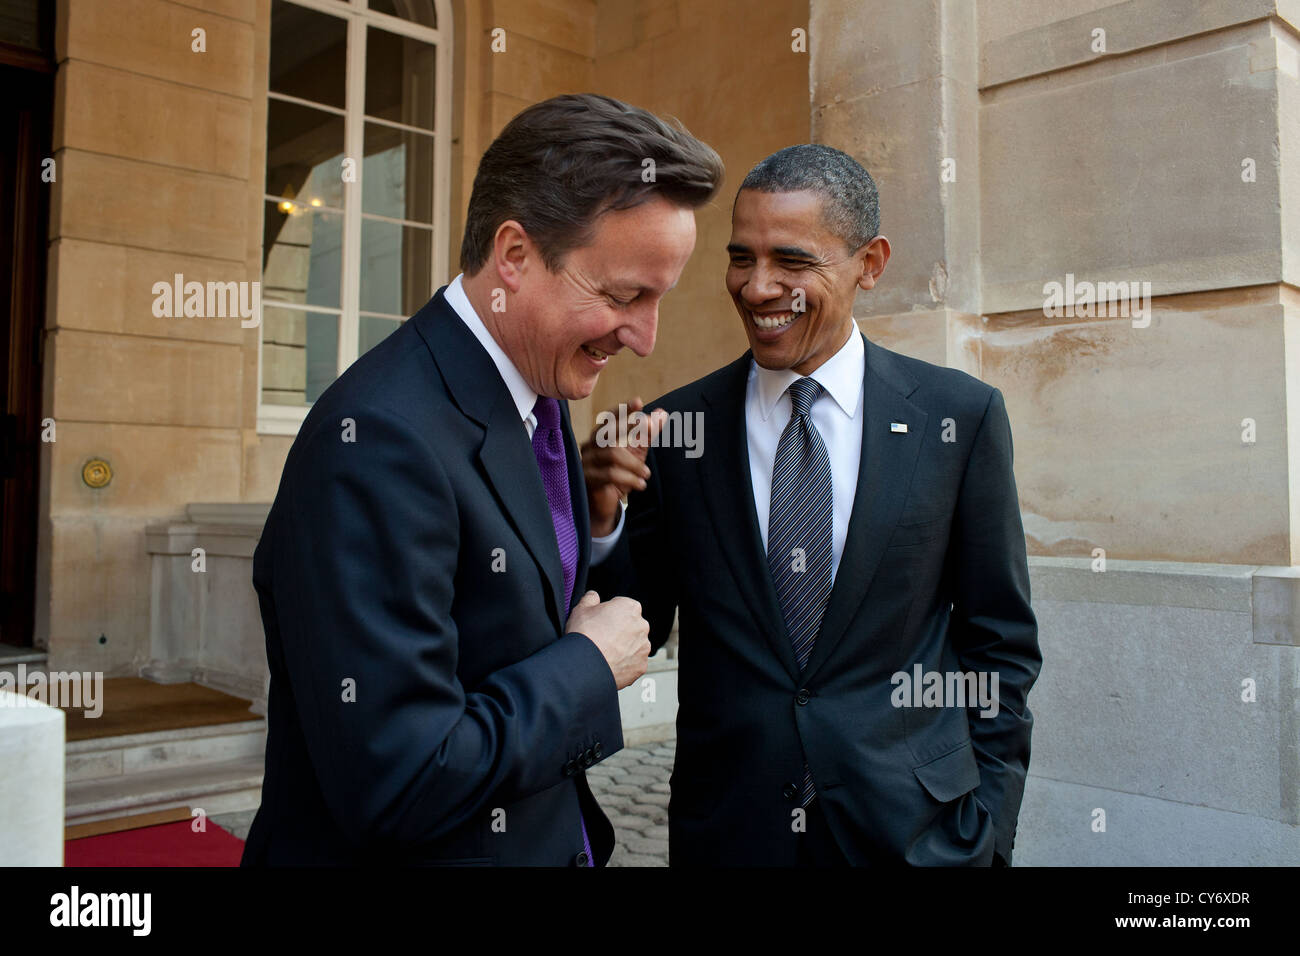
<point>28,24</point>
<point>374,330</point>
<point>322,353</point>
<point>397,174</point>
<point>399,79</point>
<point>396,267</point>
<point>418,11</point>
<point>301,254</point>
<point>299,355</point>
<point>304,153</point>
<point>308,54</point>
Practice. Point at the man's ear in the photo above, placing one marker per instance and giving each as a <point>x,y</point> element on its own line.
<point>875,256</point>
<point>510,248</point>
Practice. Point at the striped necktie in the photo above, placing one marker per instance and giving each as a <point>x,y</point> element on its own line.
<point>799,530</point>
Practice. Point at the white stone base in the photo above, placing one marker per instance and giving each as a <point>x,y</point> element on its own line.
<point>1139,712</point>
<point>1055,830</point>
<point>31,782</point>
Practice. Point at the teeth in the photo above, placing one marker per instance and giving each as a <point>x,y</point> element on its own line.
<point>595,353</point>
<point>774,321</point>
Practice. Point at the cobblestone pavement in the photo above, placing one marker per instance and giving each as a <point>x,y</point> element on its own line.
<point>236,824</point>
<point>632,788</point>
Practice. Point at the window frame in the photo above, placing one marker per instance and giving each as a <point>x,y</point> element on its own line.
<point>275,419</point>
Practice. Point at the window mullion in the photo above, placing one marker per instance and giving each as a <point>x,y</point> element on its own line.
<point>353,149</point>
<point>442,156</point>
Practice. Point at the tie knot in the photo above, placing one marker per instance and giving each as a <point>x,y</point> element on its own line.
<point>803,392</point>
<point>547,413</point>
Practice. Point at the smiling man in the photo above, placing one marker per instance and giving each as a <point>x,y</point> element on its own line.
<point>439,681</point>
<point>854,518</point>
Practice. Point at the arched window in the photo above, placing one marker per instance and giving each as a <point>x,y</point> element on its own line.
<point>355,216</point>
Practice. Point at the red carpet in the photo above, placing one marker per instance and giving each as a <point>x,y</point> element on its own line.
<point>172,844</point>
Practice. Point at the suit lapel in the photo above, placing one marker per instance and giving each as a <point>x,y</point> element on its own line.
<point>506,454</point>
<point>728,492</point>
<point>511,467</point>
<point>884,476</point>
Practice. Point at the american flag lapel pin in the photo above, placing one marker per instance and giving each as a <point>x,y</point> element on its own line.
<point>899,427</point>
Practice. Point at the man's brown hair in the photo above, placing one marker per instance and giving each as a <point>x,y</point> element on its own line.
<point>561,163</point>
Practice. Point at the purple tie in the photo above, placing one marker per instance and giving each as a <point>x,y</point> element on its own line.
<point>548,446</point>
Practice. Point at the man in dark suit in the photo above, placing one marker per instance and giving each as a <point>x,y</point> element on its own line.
<point>436,695</point>
<point>846,555</point>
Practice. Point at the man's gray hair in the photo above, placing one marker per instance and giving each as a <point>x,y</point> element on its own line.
<point>849,200</point>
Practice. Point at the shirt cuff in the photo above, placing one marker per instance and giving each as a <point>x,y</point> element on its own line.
<point>601,547</point>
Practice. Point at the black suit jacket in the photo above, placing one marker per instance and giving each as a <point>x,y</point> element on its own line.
<point>415,569</point>
<point>933,572</point>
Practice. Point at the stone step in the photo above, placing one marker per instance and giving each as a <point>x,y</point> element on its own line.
<point>226,786</point>
<point>35,659</point>
<point>131,754</point>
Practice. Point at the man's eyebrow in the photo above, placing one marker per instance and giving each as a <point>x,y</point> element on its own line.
<point>789,252</point>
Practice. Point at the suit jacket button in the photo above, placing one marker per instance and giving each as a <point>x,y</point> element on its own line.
<point>595,751</point>
<point>788,791</point>
<point>569,769</point>
<point>588,757</point>
<point>581,859</point>
<point>803,696</point>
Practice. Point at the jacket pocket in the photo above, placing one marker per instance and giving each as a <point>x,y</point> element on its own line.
<point>948,777</point>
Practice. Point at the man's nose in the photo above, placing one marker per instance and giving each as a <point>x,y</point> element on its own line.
<point>639,333</point>
<point>762,286</point>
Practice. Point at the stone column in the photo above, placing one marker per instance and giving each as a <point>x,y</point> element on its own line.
<point>894,84</point>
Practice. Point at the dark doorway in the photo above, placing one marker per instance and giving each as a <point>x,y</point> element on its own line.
<point>26,109</point>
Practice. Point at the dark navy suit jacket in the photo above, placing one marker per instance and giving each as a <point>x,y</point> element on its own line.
<point>934,573</point>
<point>426,705</point>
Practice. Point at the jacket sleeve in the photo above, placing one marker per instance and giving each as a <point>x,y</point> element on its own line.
<point>366,546</point>
<point>993,627</point>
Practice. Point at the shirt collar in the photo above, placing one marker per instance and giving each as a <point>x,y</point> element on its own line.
<point>841,375</point>
<point>522,393</point>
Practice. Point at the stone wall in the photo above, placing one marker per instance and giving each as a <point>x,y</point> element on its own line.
<point>1166,712</point>
<point>159,164</point>
<point>1011,152</point>
<point>1019,143</point>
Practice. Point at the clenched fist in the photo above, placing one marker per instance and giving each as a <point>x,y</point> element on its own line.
<point>618,630</point>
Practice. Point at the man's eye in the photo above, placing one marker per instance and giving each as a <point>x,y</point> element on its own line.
<point>623,303</point>
<point>740,261</point>
<point>793,263</point>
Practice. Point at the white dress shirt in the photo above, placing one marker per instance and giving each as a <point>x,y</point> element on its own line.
<point>838,414</point>
<point>523,394</point>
